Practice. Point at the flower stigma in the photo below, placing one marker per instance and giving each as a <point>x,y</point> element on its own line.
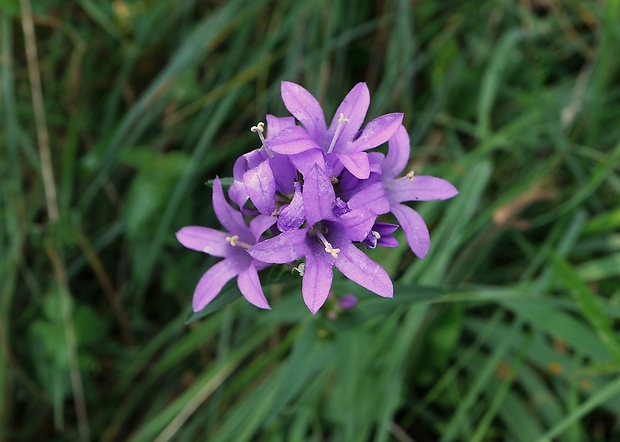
<point>328,247</point>
<point>301,268</point>
<point>259,129</point>
<point>341,122</point>
<point>234,241</point>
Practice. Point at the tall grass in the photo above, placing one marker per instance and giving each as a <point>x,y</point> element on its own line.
<point>506,331</point>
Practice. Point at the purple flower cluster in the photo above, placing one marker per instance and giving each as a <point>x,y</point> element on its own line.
<point>312,194</point>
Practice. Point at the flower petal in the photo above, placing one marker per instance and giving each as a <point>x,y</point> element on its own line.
<point>277,124</point>
<point>304,161</point>
<point>293,215</point>
<point>318,194</point>
<point>415,229</point>
<point>284,248</point>
<point>420,188</point>
<point>248,161</point>
<point>261,223</point>
<point>293,139</point>
<point>354,107</point>
<point>399,150</point>
<point>303,106</point>
<point>356,224</point>
<point>372,197</point>
<point>213,281</point>
<point>317,281</point>
<point>238,193</point>
<point>355,265</point>
<point>376,132</point>
<point>261,186</point>
<point>285,172</point>
<point>204,239</point>
<point>357,163</point>
<point>230,218</point>
<point>250,288</point>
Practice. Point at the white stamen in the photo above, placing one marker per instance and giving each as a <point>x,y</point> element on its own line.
<point>328,247</point>
<point>376,234</point>
<point>259,129</point>
<point>410,175</point>
<point>234,241</point>
<point>301,268</point>
<point>341,122</point>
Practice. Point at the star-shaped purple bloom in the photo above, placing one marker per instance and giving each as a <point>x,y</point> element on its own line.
<point>342,144</point>
<point>388,193</point>
<point>232,246</point>
<point>326,241</point>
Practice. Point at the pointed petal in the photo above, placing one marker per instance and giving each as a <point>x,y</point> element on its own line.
<point>355,265</point>
<point>213,281</point>
<point>415,229</point>
<point>261,186</point>
<point>354,107</point>
<point>420,188</point>
<point>204,239</point>
<point>277,124</point>
<point>303,106</point>
<point>317,281</point>
<point>387,241</point>
<point>318,194</point>
<point>292,140</point>
<point>399,150</point>
<point>284,248</point>
<point>230,218</point>
<point>250,288</point>
<point>377,132</point>
<point>372,197</point>
<point>357,163</point>
<point>237,193</point>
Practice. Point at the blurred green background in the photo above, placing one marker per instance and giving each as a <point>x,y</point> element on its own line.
<point>113,116</point>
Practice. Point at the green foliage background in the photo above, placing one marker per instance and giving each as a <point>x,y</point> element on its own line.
<point>507,331</point>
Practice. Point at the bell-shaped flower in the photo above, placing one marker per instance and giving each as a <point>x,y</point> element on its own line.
<point>388,194</point>
<point>258,174</point>
<point>326,241</point>
<point>232,245</point>
<point>342,144</point>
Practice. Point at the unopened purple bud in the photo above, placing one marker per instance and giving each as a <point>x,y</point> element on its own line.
<point>347,302</point>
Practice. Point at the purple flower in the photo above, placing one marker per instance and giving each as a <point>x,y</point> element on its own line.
<point>253,172</point>
<point>342,144</point>
<point>313,193</point>
<point>381,235</point>
<point>410,188</point>
<point>231,245</point>
<point>387,193</point>
<point>326,241</point>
